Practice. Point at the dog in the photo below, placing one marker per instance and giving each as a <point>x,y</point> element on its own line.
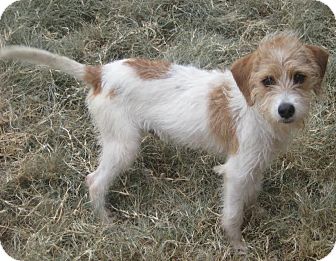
<point>248,112</point>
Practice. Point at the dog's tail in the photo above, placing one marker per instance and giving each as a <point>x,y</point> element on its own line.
<point>88,74</point>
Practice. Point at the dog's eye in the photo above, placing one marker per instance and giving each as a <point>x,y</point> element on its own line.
<point>269,80</point>
<point>299,78</point>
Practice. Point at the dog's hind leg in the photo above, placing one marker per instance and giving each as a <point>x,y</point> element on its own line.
<point>118,153</point>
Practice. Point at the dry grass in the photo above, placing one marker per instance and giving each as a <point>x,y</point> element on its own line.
<point>166,206</point>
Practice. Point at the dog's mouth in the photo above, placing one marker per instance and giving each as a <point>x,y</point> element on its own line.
<point>287,121</point>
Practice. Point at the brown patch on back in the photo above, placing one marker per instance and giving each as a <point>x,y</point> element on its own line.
<point>93,76</point>
<point>149,69</point>
<point>221,121</point>
<point>241,71</point>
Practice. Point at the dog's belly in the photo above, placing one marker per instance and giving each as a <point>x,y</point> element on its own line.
<point>183,121</point>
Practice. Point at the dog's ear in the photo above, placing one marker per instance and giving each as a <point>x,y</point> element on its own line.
<point>241,71</point>
<point>320,56</point>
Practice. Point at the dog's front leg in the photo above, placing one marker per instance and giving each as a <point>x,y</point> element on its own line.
<point>241,186</point>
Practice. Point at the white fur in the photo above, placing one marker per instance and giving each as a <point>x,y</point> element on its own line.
<point>41,57</point>
<point>287,95</point>
<point>176,108</point>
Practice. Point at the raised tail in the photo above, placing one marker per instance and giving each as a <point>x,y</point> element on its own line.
<point>89,74</point>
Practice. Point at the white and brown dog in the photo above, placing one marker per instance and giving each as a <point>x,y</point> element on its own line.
<point>248,112</point>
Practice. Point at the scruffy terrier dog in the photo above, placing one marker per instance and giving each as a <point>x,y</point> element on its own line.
<point>248,112</point>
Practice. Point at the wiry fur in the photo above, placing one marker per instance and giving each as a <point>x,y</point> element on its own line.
<point>228,112</point>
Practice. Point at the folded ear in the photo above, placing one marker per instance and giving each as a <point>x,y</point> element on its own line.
<point>241,71</point>
<point>320,56</point>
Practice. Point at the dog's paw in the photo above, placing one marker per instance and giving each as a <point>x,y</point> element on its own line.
<point>105,216</point>
<point>89,178</point>
<point>220,169</point>
<point>240,247</point>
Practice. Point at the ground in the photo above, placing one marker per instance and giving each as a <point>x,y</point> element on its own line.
<point>166,207</point>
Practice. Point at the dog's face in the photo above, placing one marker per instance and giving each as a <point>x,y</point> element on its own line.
<point>280,77</point>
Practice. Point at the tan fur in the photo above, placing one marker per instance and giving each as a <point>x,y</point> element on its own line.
<point>320,56</point>
<point>93,76</point>
<point>279,56</point>
<point>149,69</point>
<point>222,123</point>
<point>241,71</point>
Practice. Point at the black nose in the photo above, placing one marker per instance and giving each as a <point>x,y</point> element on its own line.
<point>286,110</point>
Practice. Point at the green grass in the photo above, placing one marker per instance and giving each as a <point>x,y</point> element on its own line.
<point>166,207</point>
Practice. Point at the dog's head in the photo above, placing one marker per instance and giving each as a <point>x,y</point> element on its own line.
<point>280,77</point>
